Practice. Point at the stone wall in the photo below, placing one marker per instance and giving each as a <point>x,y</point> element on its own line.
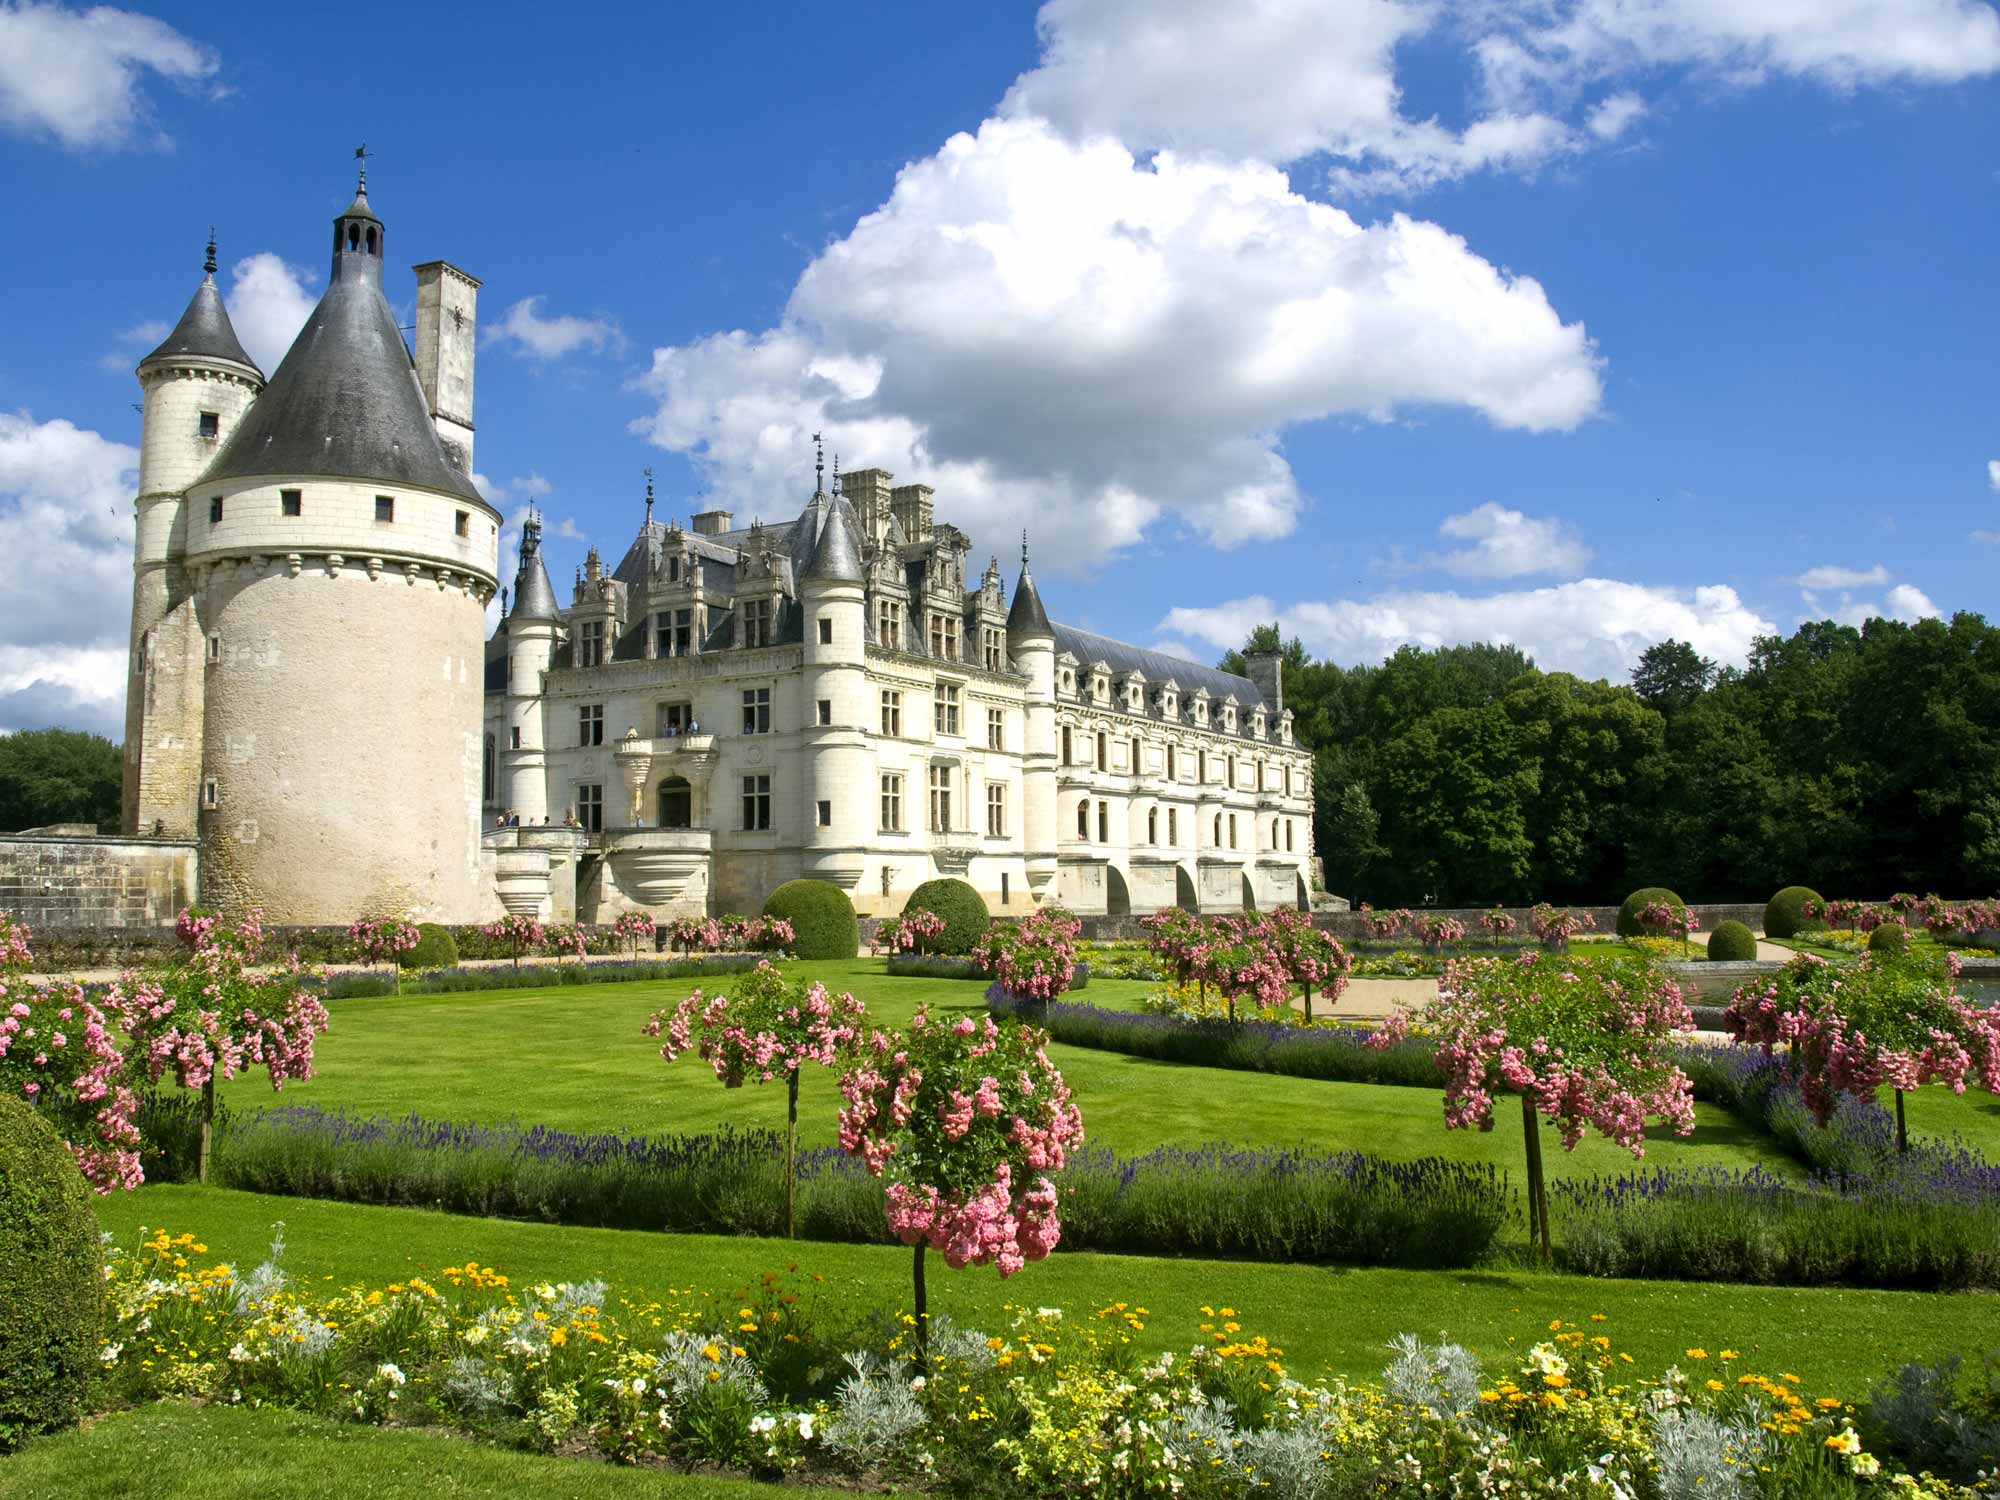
<point>96,882</point>
<point>1353,925</point>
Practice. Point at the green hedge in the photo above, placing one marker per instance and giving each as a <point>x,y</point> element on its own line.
<point>1784,913</point>
<point>822,918</point>
<point>1890,937</point>
<point>964,911</point>
<point>1732,942</point>
<point>436,949</point>
<point>51,1279</point>
<point>1638,901</point>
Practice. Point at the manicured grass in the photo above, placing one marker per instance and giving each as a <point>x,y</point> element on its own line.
<point>1327,1319</point>
<point>177,1452</point>
<point>574,1059</point>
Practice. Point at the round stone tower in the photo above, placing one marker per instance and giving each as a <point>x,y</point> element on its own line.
<point>1031,641</point>
<point>342,564</point>
<point>839,793</point>
<point>531,646</point>
<point>197,386</point>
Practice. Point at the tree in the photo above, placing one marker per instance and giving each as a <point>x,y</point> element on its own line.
<point>768,1029</point>
<point>1671,676</point>
<point>1586,1045</point>
<point>966,1119</point>
<point>59,776</point>
<point>1453,793</point>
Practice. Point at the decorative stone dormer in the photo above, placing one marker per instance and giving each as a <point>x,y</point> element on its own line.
<point>1170,700</point>
<point>986,620</point>
<point>761,574</point>
<point>1100,682</point>
<point>1200,702</point>
<point>1229,707</point>
<point>1285,727</point>
<point>1259,723</point>
<point>1132,691</point>
<point>1066,665</point>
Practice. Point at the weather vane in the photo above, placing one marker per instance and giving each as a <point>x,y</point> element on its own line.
<point>819,463</point>
<point>361,155</point>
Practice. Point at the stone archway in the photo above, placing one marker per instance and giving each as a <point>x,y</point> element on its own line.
<point>1117,894</point>
<point>676,803</point>
<point>1249,894</point>
<point>1184,892</point>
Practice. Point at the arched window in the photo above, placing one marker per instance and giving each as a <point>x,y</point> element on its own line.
<point>1288,835</point>
<point>1170,763</point>
<point>676,803</point>
<point>1152,825</point>
<point>353,235</point>
<point>1201,766</point>
<point>1218,831</point>
<point>1083,820</point>
<point>1274,833</point>
<point>371,241</point>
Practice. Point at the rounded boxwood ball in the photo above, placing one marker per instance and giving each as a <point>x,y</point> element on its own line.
<point>1732,942</point>
<point>1890,937</point>
<point>964,912</point>
<point>51,1279</point>
<point>436,949</point>
<point>1638,901</point>
<point>822,918</point>
<point>1784,913</point>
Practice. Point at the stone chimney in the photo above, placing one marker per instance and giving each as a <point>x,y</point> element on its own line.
<point>1267,670</point>
<point>912,506</point>
<point>867,490</point>
<point>711,522</point>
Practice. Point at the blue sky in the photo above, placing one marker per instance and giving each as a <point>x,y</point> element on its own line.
<point>1578,323</point>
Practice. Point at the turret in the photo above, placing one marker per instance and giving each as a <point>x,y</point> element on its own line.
<point>1031,641</point>
<point>839,792</point>
<point>198,384</point>
<point>532,625</point>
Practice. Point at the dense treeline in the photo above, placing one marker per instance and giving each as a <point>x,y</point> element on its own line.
<point>1857,761</point>
<point>58,776</point>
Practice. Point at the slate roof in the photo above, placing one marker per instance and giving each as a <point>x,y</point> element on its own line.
<point>204,329</point>
<point>1157,665</point>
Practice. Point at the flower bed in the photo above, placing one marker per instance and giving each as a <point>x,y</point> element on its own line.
<point>779,1380</point>
<point>540,976</point>
<point>940,966</point>
<point>1215,1201</point>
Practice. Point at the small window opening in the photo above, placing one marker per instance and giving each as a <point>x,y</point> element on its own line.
<point>385,507</point>
<point>210,425</point>
<point>354,236</point>
<point>215,510</point>
<point>215,646</point>
<point>826,632</point>
<point>462,523</point>
<point>210,794</point>
<point>825,813</point>
<point>291,502</point>
<point>825,711</point>
<point>371,242</point>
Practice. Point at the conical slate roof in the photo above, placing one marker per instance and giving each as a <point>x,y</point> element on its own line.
<point>837,558</point>
<point>1025,616</point>
<point>204,329</point>
<point>534,596</point>
<point>345,403</point>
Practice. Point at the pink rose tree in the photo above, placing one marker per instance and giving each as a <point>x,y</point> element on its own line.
<point>632,929</point>
<point>516,933</point>
<point>1439,930</point>
<point>766,1030</point>
<point>1312,959</point>
<point>767,934</point>
<point>1553,926</point>
<point>690,933</point>
<point>215,1013</point>
<point>567,940</point>
<point>1893,1020</point>
<point>912,932</point>
<point>1035,959</point>
<point>377,940</point>
<point>1176,937</point>
<point>60,1054</point>
<point>1584,1045</point>
<point>1498,924</point>
<point>1386,924</point>
<point>966,1120</point>
<point>1668,919</point>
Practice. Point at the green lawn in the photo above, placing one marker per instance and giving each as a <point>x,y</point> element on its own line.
<point>1327,1319</point>
<point>177,1452</point>
<point>574,1058</point>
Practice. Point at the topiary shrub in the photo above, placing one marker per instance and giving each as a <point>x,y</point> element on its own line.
<point>1890,937</point>
<point>1638,901</point>
<point>822,918</point>
<point>964,913</point>
<point>1732,943</point>
<point>51,1279</point>
<point>436,949</point>
<point>1785,913</point>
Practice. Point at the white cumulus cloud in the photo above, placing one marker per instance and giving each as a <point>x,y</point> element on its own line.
<point>1593,627</point>
<point>1832,576</point>
<point>66,504</point>
<point>524,327</point>
<point>79,76</point>
<point>1993,473</point>
<point>269,301</point>
<point>1046,329</point>
<point>1508,544</point>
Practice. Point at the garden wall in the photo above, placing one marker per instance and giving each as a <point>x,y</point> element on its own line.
<point>1354,924</point>
<point>95,882</point>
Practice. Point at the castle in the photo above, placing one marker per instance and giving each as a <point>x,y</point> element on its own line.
<point>313,699</point>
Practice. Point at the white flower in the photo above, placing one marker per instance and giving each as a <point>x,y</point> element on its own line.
<point>1544,1360</point>
<point>1847,1441</point>
<point>917,1384</point>
<point>476,1334</point>
<point>1867,1465</point>
<point>761,1425</point>
<point>239,1354</point>
<point>110,1352</point>
<point>805,1426</point>
<point>391,1374</point>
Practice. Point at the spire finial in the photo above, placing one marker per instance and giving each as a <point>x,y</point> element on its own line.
<point>819,464</point>
<point>836,473</point>
<point>361,155</point>
<point>1024,549</point>
<point>649,495</point>
<point>208,266</point>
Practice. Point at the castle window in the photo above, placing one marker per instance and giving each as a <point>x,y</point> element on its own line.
<point>215,510</point>
<point>756,710</point>
<point>1104,822</point>
<point>1217,839</point>
<point>460,522</point>
<point>590,724</point>
<point>1103,751</point>
<point>514,738</point>
<point>825,809</point>
<point>1152,825</point>
<point>825,712</point>
<point>209,424</point>
<point>1083,820</point>
<point>1173,825</point>
<point>1288,835</point>
<point>353,235</point>
<point>756,622</point>
<point>676,803</point>
<point>673,719</point>
<point>673,570</point>
<point>1003,887</point>
<point>892,803</point>
<point>1201,767</point>
<point>825,632</point>
<point>371,242</point>
<point>1067,746</point>
<point>215,646</point>
<point>210,795</point>
<point>940,799</point>
<point>1274,833</point>
<point>944,708</point>
<point>996,809</point>
<point>889,623</point>
<point>590,644</point>
<point>1232,773</point>
<point>673,632</point>
<point>1136,757</point>
<point>756,804</point>
<point>1173,771</point>
<point>385,507</point>
<point>291,503</point>
<point>892,714</point>
<point>993,649</point>
<point>1232,830</point>
<point>996,729</point>
<point>944,637</point>
<point>590,805</point>
<point>486,778</point>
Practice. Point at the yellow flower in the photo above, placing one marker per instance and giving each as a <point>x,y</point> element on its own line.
<point>1697,1354</point>
<point>1727,1354</point>
<point>1489,1395</point>
<point>559,1337</point>
<point>1715,1385</point>
<point>711,1353</point>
